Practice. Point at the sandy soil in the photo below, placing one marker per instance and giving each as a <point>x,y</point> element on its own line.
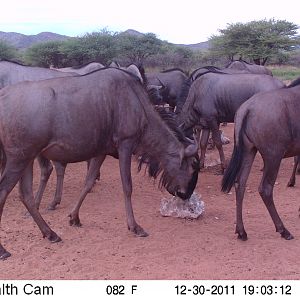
<point>102,248</point>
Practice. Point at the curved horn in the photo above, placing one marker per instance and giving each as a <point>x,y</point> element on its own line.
<point>160,82</point>
<point>191,149</point>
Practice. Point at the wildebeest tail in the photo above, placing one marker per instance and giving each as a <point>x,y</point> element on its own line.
<point>235,163</point>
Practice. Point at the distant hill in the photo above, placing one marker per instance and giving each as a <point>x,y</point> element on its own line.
<point>132,32</point>
<point>23,41</point>
<point>198,46</point>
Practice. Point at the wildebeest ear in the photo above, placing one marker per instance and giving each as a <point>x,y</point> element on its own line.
<point>191,150</point>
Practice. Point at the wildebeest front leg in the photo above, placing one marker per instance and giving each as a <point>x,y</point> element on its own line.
<point>28,201</point>
<point>216,136</point>
<point>92,174</point>
<point>203,145</point>
<point>125,153</point>
<point>271,167</point>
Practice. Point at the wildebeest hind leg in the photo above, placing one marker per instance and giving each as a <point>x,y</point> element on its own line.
<point>92,174</point>
<point>28,201</point>
<point>248,157</point>
<point>60,169</point>
<point>203,145</point>
<point>271,167</point>
<point>125,153</point>
<point>46,170</point>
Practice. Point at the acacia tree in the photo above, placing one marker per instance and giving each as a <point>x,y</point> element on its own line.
<point>7,51</point>
<point>138,48</point>
<point>45,54</point>
<point>255,40</point>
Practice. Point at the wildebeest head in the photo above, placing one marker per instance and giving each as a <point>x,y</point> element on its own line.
<point>157,93</point>
<point>190,166</point>
<point>181,175</point>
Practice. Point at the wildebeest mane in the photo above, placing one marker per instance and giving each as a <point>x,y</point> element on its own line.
<point>294,83</point>
<point>208,68</point>
<point>153,166</point>
<point>215,71</point>
<point>174,69</point>
<point>169,118</point>
<point>105,68</point>
<point>188,82</point>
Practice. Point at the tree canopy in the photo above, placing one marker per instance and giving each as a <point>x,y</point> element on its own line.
<point>138,48</point>
<point>7,51</point>
<point>256,40</point>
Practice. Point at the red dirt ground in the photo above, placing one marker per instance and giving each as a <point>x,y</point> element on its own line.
<point>102,248</point>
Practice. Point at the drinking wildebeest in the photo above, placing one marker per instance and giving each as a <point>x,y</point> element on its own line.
<point>242,65</point>
<point>151,163</point>
<point>267,123</point>
<point>83,69</point>
<point>45,117</point>
<point>214,98</point>
<point>172,80</point>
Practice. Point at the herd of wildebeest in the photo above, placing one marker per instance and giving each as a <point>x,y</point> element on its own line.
<point>61,116</point>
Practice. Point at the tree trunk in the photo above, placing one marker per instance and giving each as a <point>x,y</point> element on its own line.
<point>264,61</point>
<point>256,61</point>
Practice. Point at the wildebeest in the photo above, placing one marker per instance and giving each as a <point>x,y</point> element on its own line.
<point>172,80</point>
<point>46,117</point>
<point>214,98</point>
<point>267,123</point>
<point>95,163</point>
<point>83,69</point>
<point>242,65</point>
<point>14,72</point>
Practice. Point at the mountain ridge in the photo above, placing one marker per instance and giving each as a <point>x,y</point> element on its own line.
<point>23,41</point>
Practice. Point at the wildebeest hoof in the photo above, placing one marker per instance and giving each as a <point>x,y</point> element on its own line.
<point>291,184</point>
<point>286,235</point>
<point>74,221</point>
<point>27,214</point>
<point>53,237</point>
<point>242,236</point>
<point>52,207</point>
<point>139,231</point>
<point>4,255</point>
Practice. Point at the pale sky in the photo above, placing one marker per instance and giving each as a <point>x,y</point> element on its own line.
<point>182,22</point>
